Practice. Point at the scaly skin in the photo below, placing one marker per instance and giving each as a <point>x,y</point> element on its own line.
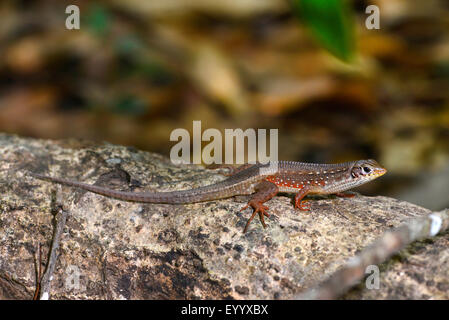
<point>262,181</point>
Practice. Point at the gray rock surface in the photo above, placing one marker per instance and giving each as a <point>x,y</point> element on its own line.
<point>113,249</point>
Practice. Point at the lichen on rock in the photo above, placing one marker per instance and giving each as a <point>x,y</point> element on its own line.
<point>113,249</point>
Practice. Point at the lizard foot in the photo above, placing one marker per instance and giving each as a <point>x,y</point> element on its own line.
<point>258,208</point>
<point>302,206</point>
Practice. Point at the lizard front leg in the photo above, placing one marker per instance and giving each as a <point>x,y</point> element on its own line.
<point>265,190</point>
<point>298,199</point>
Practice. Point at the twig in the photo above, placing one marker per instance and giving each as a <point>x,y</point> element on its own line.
<point>43,285</point>
<point>390,243</point>
<point>38,263</point>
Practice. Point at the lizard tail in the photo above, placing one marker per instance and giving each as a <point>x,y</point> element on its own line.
<point>216,191</point>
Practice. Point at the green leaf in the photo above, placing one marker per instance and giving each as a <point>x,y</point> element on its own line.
<point>330,22</point>
<point>130,105</point>
<point>98,19</point>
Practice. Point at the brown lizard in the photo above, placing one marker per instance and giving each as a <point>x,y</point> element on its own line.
<point>263,181</point>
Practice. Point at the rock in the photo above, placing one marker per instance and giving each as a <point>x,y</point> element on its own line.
<point>112,249</point>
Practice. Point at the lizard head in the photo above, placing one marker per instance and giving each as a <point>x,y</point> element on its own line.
<point>367,170</point>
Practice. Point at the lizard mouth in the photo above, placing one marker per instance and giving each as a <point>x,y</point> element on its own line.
<point>378,172</point>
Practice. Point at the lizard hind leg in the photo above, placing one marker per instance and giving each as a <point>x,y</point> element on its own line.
<point>345,195</point>
<point>264,192</point>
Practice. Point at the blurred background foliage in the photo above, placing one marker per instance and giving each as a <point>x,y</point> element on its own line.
<point>138,69</point>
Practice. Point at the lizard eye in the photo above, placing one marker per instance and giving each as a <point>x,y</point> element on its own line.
<point>366,169</point>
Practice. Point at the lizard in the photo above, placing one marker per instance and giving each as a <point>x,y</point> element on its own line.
<point>261,181</point>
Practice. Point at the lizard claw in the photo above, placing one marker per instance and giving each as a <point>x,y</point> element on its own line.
<point>302,206</point>
<point>258,209</point>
